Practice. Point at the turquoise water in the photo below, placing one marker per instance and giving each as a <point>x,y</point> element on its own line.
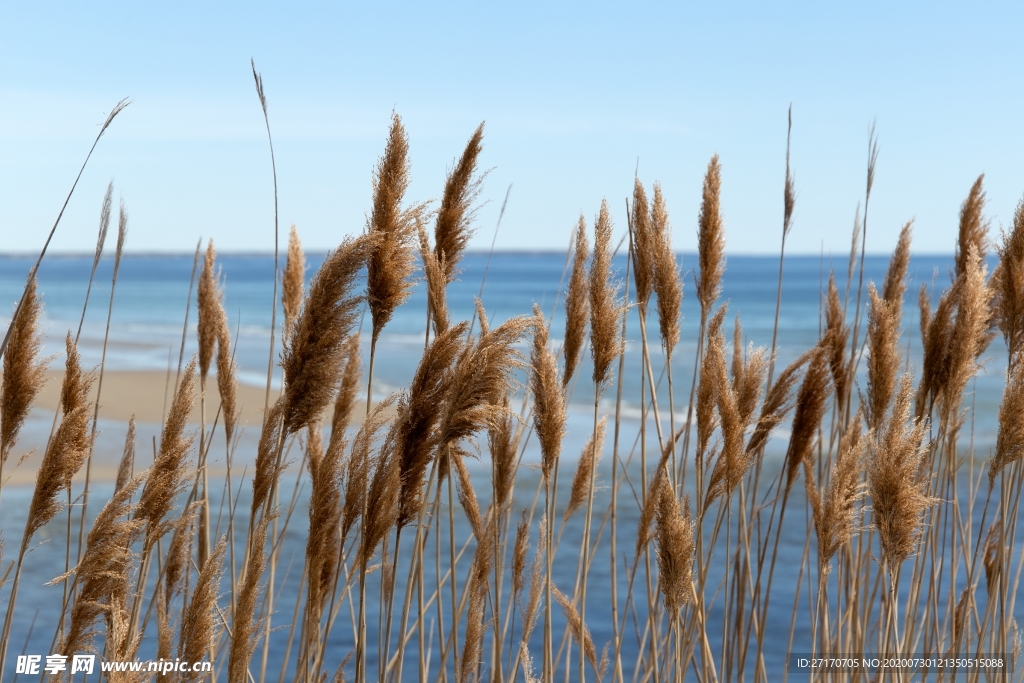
<point>146,332</point>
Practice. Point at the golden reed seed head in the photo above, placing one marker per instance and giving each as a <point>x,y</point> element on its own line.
<point>314,352</point>
<point>675,548</point>
<point>227,377</point>
<point>390,261</point>
<point>883,355</point>
<point>577,304</point>
<point>838,334</point>
<point>585,468</point>
<point>126,466</point>
<point>973,231</point>
<point>668,280</point>
<point>836,514</point>
<point>811,404</point>
<point>293,280</point>
<point>414,432</point>
<point>454,226</point>
<point>437,290</point>
<point>345,400</point>
<point>548,399</point>
<point>606,309</point>
<point>67,450</point>
<point>643,246</point>
<point>24,372</point>
<point>208,299</point>
<point>1009,285</point>
<point>101,235</point>
<point>198,622</point>
<point>710,239</point>
<point>103,568</point>
<point>167,475</point>
<point>1010,437</point>
<point>895,483</point>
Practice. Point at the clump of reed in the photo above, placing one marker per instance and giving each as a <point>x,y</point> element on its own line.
<point>415,567</point>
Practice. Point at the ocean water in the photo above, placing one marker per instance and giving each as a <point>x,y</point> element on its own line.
<point>149,314</point>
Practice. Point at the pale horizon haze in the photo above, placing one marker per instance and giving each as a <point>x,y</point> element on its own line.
<point>576,98</point>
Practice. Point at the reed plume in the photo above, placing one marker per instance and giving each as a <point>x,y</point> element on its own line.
<point>895,484</point>
<point>837,332</point>
<point>605,308</point>
<point>969,333</point>
<point>325,511</point>
<point>580,633</point>
<point>992,559</point>
<point>437,291</point>
<point>267,467</point>
<point>585,468</point>
<point>227,378</point>
<point>345,400</point>
<point>210,308</point>
<point>198,622</point>
<point>811,404</point>
<point>247,622</point>
<point>293,280</point>
<point>167,475</point>
<point>668,281</point>
<point>1010,437</point>
<point>314,351</point>
<point>973,227</point>
<point>777,404</point>
<point>24,372</point>
<point>548,399</point>
<point>127,464</point>
<point>643,252</point>
<point>481,377</point>
<point>67,450</point>
<point>577,304</point>
<point>733,460</point>
<point>1009,286</point>
<point>675,548</point>
<point>453,228</point>
<point>710,239</point>
<point>357,471</point>
<point>390,261</point>
<point>414,433</point>
<point>503,443</point>
<point>835,514</point>
<point>885,316</point>
<point>103,571</point>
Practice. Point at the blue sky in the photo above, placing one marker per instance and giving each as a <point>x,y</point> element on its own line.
<point>574,95</point>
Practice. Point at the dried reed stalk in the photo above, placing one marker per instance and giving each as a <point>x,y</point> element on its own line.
<point>293,280</point>
<point>313,354</point>
<point>577,305</point>
<point>24,373</point>
<point>453,228</point>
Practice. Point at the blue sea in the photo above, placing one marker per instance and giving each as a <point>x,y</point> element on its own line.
<point>149,312</point>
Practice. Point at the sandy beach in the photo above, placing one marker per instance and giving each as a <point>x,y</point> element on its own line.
<point>146,395</point>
